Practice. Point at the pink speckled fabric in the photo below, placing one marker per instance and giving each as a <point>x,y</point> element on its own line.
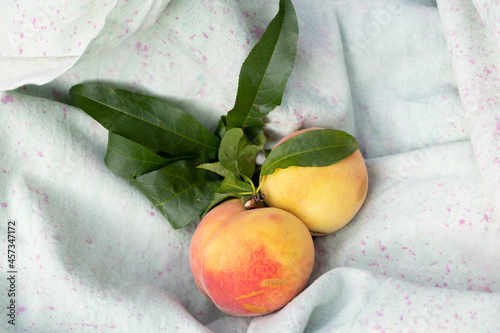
<point>416,82</point>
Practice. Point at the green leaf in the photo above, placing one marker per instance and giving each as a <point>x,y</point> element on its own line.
<point>216,199</point>
<point>266,70</point>
<point>215,167</point>
<point>257,136</point>
<point>314,148</point>
<point>220,131</point>
<point>129,159</point>
<point>230,187</point>
<point>237,154</point>
<point>231,184</point>
<point>179,190</point>
<point>150,121</point>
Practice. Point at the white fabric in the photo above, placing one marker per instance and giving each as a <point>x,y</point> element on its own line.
<point>417,83</point>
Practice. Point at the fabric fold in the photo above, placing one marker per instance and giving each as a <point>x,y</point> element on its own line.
<point>47,38</point>
<point>472,33</point>
<point>416,83</point>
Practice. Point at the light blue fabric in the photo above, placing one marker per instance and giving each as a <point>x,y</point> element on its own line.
<point>416,82</point>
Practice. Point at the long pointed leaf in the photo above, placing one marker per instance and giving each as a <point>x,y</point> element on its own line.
<point>147,120</point>
<point>317,148</point>
<point>179,190</point>
<point>266,70</point>
<point>129,159</point>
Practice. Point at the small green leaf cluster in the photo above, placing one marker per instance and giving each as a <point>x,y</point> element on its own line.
<point>183,168</point>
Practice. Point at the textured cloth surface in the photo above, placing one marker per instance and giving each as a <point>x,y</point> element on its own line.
<point>416,82</point>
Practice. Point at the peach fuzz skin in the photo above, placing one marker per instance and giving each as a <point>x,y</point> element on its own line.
<point>253,263</point>
<point>324,198</point>
<point>205,230</point>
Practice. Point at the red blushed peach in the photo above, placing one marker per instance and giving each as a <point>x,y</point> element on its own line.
<point>207,227</point>
<point>255,262</point>
<point>324,198</point>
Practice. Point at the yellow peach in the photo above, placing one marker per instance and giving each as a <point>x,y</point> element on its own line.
<point>324,198</point>
<point>253,263</point>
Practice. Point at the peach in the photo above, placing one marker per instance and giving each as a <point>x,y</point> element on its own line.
<point>251,262</point>
<point>324,198</point>
<point>207,227</point>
